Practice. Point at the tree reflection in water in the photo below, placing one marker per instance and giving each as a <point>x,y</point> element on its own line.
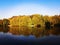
<point>37,32</point>
<point>26,31</point>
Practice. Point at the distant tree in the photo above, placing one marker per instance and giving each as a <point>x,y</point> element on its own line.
<point>47,25</point>
<point>5,22</point>
<point>38,25</point>
<point>38,19</point>
<point>57,25</point>
<point>5,25</point>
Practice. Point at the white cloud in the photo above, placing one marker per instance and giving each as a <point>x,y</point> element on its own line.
<point>27,9</point>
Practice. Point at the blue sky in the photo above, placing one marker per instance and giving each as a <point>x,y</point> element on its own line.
<point>9,8</point>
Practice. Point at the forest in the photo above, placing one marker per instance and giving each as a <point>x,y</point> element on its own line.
<point>34,24</point>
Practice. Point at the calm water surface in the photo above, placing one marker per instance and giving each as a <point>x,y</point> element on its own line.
<point>37,36</point>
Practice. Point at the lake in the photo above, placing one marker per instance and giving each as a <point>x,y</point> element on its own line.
<point>29,36</point>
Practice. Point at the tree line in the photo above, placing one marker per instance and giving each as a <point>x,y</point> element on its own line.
<point>34,24</point>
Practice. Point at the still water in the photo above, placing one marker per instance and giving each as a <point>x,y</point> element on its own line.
<point>8,38</point>
<point>27,31</point>
<point>25,35</point>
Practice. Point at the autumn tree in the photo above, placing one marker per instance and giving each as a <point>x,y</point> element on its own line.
<point>5,25</point>
<point>37,19</point>
<point>14,21</point>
